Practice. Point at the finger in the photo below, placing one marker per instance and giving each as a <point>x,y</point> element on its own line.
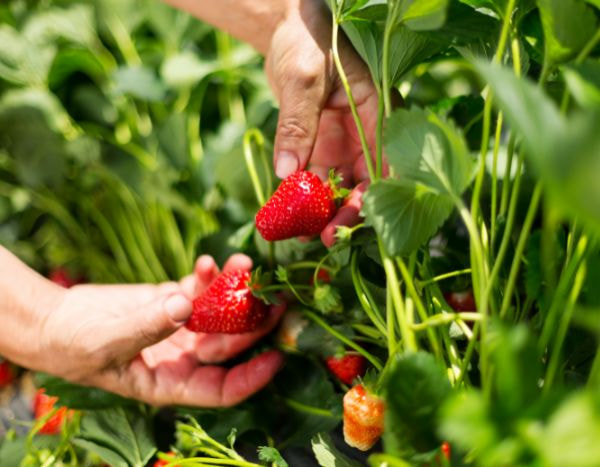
<point>236,262</point>
<point>216,387</point>
<point>150,324</point>
<point>348,215</point>
<point>301,98</point>
<point>216,348</point>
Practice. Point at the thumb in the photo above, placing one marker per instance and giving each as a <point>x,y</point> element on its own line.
<point>157,320</point>
<point>301,102</point>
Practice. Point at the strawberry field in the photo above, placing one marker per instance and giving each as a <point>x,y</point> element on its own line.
<point>424,292</point>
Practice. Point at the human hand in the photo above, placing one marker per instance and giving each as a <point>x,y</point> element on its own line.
<point>316,127</point>
<point>129,339</point>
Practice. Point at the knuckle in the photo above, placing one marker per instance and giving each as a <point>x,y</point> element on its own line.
<point>292,127</point>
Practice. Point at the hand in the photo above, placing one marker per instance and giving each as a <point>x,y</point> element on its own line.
<point>129,339</point>
<point>316,128</point>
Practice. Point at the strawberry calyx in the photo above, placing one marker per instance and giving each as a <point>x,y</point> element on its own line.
<point>334,181</point>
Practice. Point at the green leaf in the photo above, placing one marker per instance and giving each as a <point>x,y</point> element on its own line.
<point>466,424</point>
<point>120,437</point>
<point>596,3</point>
<point>416,388</point>
<point>379,460</point>
<point>80,397</point>
<point>139,82</point>
<point>583,81</point>
<point>405,215</point>
<point>434,167</point>
<point>327,454</point>
<point>422,15</point>
<point>272,456</point>
<point>572,434</point>
<point>185,69</point>
<point>568,26</point>
<point>315,340</point>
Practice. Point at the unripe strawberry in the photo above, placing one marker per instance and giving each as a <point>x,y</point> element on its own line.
<point>363,418</point>
<point>348,367</point>
<point>302,205</point>
<point>291,326</point>
<point>227,306</point>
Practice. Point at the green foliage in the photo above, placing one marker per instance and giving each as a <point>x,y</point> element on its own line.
<point>328,455</point>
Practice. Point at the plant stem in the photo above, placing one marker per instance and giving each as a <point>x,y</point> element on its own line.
<point>495,180</point>
<point>514,270</point>
<point>300,407</point>
<point>385,58</point>
<point>256,135</point>
<point>351,101</point>
<point>563,327</point>
<point>506,182</point>
<point>445,276</point>
<point>364,300</point>
<point>318,320</point>
<point>446,318</point>
<point>379,136</point>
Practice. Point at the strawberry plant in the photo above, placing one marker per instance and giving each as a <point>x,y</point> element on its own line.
<point>455,324</point>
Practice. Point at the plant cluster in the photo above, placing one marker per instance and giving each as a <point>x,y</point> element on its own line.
<point>458,321</point>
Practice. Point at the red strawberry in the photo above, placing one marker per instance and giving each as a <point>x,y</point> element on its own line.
<point>162,462</point>
<point>44,404</point>
<point>461,301</point>
<point>227,306</point>
<point>7,374</point>
<point>63,278</point>
<point>301,206</point>
<point>446,450</point>
<point>363,418</point>
<point>348,367</point>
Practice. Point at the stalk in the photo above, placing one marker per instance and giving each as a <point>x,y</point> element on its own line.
<point>495,180</point>
<point>256,135</point>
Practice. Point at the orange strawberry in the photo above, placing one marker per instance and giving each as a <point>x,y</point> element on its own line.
<point>363,418</point>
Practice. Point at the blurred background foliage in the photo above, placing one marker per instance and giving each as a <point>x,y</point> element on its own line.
<point>121,127</point>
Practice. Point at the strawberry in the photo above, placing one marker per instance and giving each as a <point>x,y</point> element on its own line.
<point>446,450</point>
<point>63,278</point>
<point>163,462</point>
<point>302,205</point>
<point>363,418</point>
<point>7,374</point>
<point>227,306</point>
<point>348,367</point>
<point>461,301</point>
<point>292,324</point>
<point>43,405</point>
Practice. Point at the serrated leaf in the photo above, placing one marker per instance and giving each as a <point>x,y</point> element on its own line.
<point>272,456</point>
<point>117,433</point>
<point>568,26</point>
<point>328,455</point>
<point>415,390</point>
<point>405,215</point>
<point>433,166</point>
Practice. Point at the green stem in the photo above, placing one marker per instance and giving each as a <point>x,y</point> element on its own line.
<point>504,32</point>
<point>423,315</point>
<point>494,207</point>
<point>353,345</point>
<point>594,377</point>
<point>408,337</point>
<point>385,59</point>
<point>506,182</point>
<point>200,461</point>
<point>518,254</point>
<point>446,318</point>
<point>563,327</point>
<point>249,136</point>
<point>309,409</point>
<point>379,137</point>
<point>351,101</point>
<point>445,276</point>
<point>365,300</point>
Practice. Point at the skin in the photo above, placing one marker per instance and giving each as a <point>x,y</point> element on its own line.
<point>130,339</point>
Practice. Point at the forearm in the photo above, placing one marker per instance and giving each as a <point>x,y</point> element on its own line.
<point>252,21</point>
<point>26,298</point>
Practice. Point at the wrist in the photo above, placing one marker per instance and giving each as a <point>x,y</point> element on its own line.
<point>27,299</point>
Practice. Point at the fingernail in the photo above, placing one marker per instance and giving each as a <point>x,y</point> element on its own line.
<point>179,308</point>
<point>286,164</point>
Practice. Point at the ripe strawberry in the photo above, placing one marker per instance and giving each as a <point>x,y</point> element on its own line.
<point>347,368</point>
<point>446,450</point>
<point>301,206</point>
<point>162,462</point>
<point>227,306</point>
<point>63,278</point>
<point>363,418</point>
<point>44,404</point>
<point>7,374</point>
<point>461,301</point>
